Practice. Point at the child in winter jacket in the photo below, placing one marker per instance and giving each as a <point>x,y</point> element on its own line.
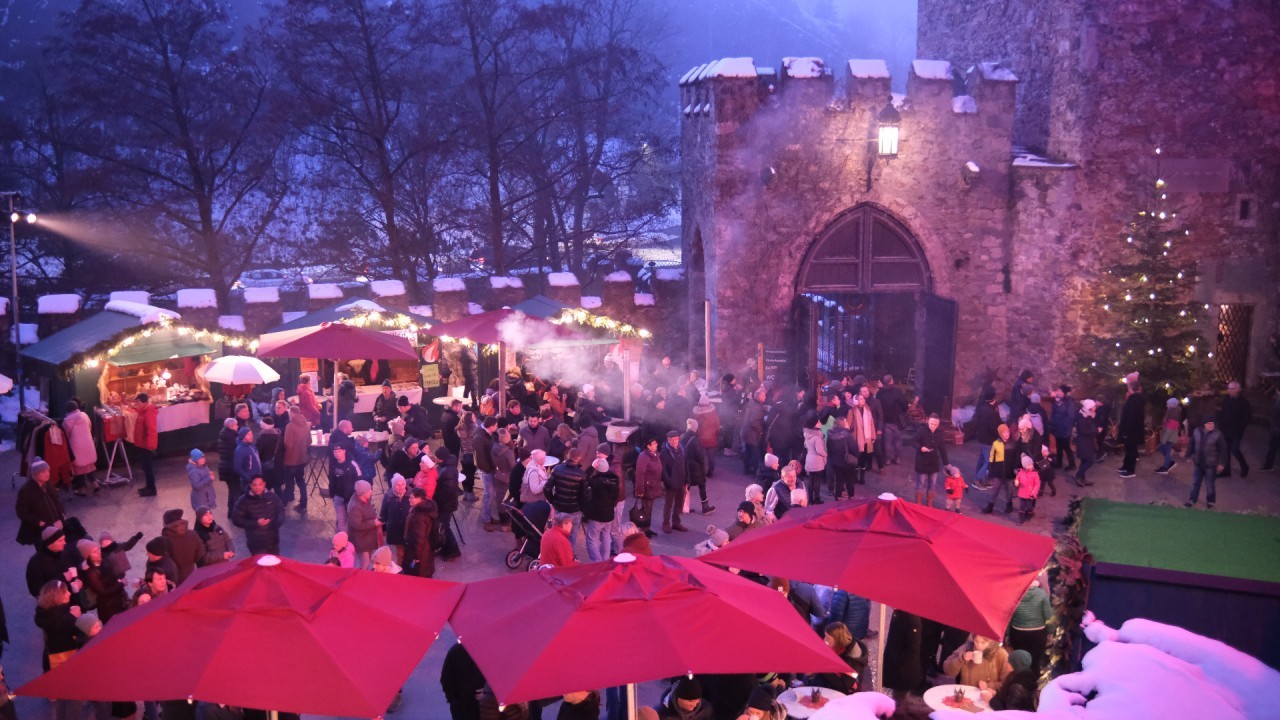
<point>1044,466</point>
<point>343,551</point>
<point>1000,473</point>
<point>1169,431</point>
<point>202,494</point>
<point>1028,484</point>
<point>955,487</point>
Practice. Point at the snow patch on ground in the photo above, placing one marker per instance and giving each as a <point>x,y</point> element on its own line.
<point>869,68</point>
<point>231,322</point>
<point>670,274</point>
<point>964,104</point>
<point>197,298</point>
<point>996,71</point>
<point>146,314</point>
<point>448,284</point>
<point>644,299</point>
<point>804,67</point>
<point>259,295</point>
<point>562,279</point>
<point>498,282</point>
<point>141,297</point>
<point>386,288</point>
<point>423,310</point>
<point>291,316</point>
<point>367,305</point>
<point>972,167</point>
<point>58,304</point>
<point>324,291</point>
<point>618,276</point>
<point>931,69</point>
<point>474,308</point>
<point>591,302</point>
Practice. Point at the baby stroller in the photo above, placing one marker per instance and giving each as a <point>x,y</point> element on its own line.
<point>527,523</point>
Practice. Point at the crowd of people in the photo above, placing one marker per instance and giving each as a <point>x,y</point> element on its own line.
<point>543,467</point>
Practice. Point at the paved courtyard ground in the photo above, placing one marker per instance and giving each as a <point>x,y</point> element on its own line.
<point>123,512</point>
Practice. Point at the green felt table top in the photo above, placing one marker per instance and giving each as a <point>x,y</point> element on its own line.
<point>1182,539</point>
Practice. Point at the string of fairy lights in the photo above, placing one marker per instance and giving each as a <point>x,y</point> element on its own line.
<point>104,352</point>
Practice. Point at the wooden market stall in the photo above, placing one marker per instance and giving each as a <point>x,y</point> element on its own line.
<point>410,378</point>
<point>108,359</point>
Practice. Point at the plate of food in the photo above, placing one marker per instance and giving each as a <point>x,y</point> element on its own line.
<point>801,702</point>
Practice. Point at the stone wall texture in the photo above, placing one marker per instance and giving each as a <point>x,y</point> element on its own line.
<point>768,163</point>
<point>1104,83</point>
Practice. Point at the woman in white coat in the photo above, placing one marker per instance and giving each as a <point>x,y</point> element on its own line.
<point>84,454</point>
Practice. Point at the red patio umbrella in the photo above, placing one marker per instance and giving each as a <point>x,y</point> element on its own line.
<point>957,570</point>
<point>268,633</point>
<point>336,341</point>
<point>533,634</point>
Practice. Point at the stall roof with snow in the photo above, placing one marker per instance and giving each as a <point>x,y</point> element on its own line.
<point>65,345</point>
<point>541,306</point>
<point>339,312</point>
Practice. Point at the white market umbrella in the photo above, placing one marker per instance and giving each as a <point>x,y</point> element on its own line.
<point>6,384</point>
<point>240,370</point>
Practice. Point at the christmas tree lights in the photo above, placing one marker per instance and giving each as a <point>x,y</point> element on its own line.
<point>1146,303</point>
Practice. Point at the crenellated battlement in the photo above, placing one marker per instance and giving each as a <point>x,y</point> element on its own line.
<point>731,91</point>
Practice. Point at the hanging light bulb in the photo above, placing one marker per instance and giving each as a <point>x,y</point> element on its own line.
<point>1144,278</point>
<point>1152,296</point>
<point>1158,151</point>
<point>1191,349</point>
<point>1128,297</point>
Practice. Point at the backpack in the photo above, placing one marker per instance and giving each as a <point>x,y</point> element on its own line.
<point>438,536</point>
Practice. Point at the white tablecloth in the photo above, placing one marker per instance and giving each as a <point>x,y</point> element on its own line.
<point>183,415</point>
<point>366,394</point>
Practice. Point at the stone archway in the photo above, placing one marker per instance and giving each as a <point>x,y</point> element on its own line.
<point>865,305</point>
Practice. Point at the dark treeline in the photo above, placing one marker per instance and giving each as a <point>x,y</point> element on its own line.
<point>170,146</point>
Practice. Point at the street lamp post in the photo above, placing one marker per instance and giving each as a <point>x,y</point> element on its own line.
<point>14,216</point>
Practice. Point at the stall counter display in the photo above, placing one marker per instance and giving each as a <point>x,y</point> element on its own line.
<point>181,397</point>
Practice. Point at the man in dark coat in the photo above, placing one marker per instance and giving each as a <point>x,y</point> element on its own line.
<point>696,461</point>
<point>47,563</point>
<point>986,419</point>
<point>259,513</point>
<point>446,499</point>
<point>346,398</point>
<point>1235,416</point>
<point>270,453</point>
<point>1086,441</point>
<point>753,432</point>
<point>648,485</point>
<point>461,679</point>
<point>893,403</point>
<point>1132,428</point>
<point>842,459</point>
<point>675,483</point>
<point>38,505</point>
<point>449,427</point>
<point>416,423</point>
<point>228,437</point>
<point>1061,422</point>
<point>1209,454</point>
<point>385,408</point>
<point>419,551</point>
<point>185,547</point>
<point>903,671</point>
<point>1020,395</point>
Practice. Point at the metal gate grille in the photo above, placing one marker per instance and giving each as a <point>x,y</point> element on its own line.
<point>840,333</point>
<point>1235,324</point>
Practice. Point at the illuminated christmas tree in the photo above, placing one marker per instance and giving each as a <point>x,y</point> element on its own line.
<point>1149,321</point>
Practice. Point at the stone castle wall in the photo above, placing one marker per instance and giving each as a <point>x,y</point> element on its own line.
<point>1104,84</point>
<point>773,162</point>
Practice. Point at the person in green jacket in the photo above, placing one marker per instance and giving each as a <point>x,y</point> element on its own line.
<point>1028,629</point>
